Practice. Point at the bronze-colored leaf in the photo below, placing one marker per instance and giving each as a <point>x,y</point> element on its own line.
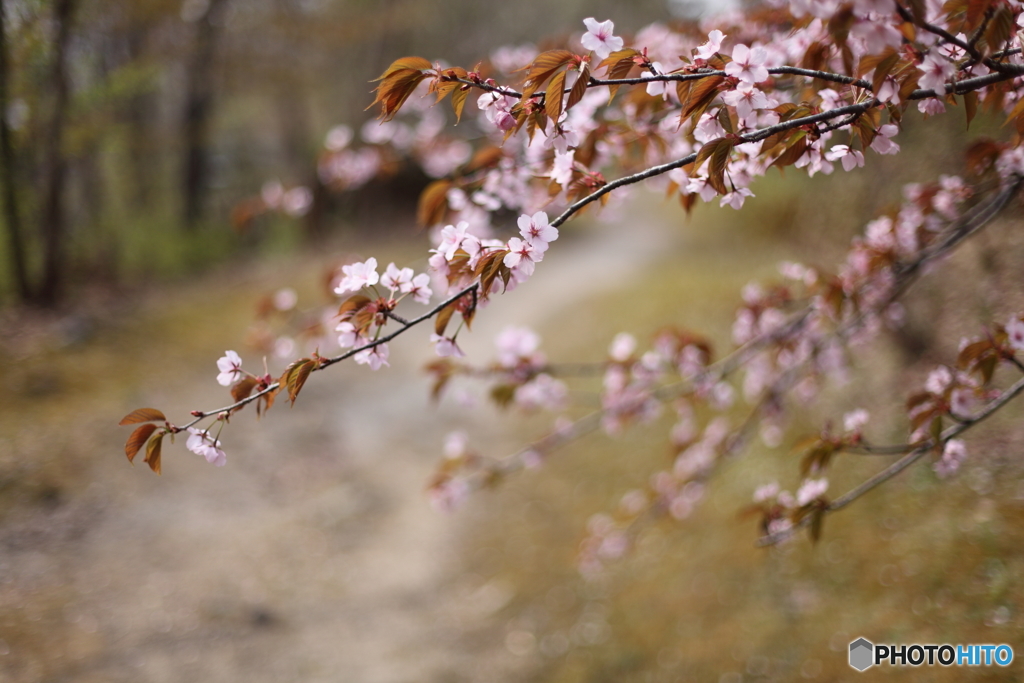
<point>433,203</point>
<point>796,149</point>
<point>1000,28</point>
<point>445,314</point>
<point>405,63</point>
<point>153,449</point>
<point>137,439</point>
<point>701,95</point>
<point>352,305</point>
<point>817,522</point>
<point>555,96</point>
<point>458,102</point>
<point>579,88</point>
<point>295,376</point>
<point>971,106</point>
<point>503,394</point>
<point>143,415</point>
<point>243,388</point>
<point>886,63</point>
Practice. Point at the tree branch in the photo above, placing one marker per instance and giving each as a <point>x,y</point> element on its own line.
<point>199,415</point>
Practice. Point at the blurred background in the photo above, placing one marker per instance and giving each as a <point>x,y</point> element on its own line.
<point>138,136</point>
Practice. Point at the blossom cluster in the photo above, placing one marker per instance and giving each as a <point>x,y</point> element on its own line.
<point>698,112</point>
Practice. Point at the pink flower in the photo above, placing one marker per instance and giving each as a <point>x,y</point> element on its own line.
<point>748,65</point>
<point>953,455</point>
<point>357,276</point>
<point>348,337</point>
<point>201,443</point>
<point>850,158</point>
<point>374,357</point>
<point>419,288</point>
<point>452,237</point>
<point>522,256</point>
<point>230,367</point>
<point>936,71</point>
<point>446,347</point>
<point>882,144</point>
<point>600,38</point>
<point>395,279</point>
<point>811,490</point>
<point>854,421</point>
<point>622,347</point>
<point>516,344</point>
<point>537,230</point>
<point>561,168</point>
<point>735,198</point>
<point>746,100</point>
<point>713,45</point>
<point>1015,334</point>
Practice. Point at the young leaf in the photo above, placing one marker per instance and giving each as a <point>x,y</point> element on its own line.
<point>459,96</point>
<point>441,322</point>
<point>143,415</point>
<point>433,203</point>
<point>579,88</point>
<point>243,388</point>
<point>153,452</point>
<point>555,96</point>
<point>295,376</point>
<point>137,439</point>
<point>971,106</point>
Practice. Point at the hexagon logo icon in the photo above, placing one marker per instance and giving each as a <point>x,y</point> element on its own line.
<point>861,654</point>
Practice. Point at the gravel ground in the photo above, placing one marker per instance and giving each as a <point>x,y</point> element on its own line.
<point>313,555</point>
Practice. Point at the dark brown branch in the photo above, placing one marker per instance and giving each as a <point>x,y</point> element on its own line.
<point>326,362</point>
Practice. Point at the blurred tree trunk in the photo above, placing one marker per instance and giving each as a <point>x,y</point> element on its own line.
<point>139,112</point>
<point>12,217</point>
<point>198,110</point>
<point>54,228</point>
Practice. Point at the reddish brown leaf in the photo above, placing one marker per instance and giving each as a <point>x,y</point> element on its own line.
<point>153,449</point>
<point>137,439</point>
<point>970,106</point>
<point>441,322</point>
<point>353,305</point>
<point>458,102</point>
<point>555,96</point>
<point>405,63</point>
<point>579,88</point>
<point>295,376</point>
<point>243,388</point>
<point>701,95</point>
<point>433,203</point>
<point>143,415</point>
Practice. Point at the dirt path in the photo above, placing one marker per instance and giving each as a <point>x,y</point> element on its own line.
<point>313,556</point>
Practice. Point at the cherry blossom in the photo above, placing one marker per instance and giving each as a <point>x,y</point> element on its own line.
<point>445,347</point>
<point>201,443</point>
<point>599,37</point>
<point>953,455</point>
<point>537,230</point>
<point>375,357</point>
<point>1015,334</point>
<point>517,344</point>
<point>230,366</point>
<point>522,255</point>
<point>395,279</point>
<point>357,276</point>
<point>936,70</point>
<point>748,65</point>
<point>850,158</point>
<point>419,288</point>
<point>713,45</point>
<point>810,490</point>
